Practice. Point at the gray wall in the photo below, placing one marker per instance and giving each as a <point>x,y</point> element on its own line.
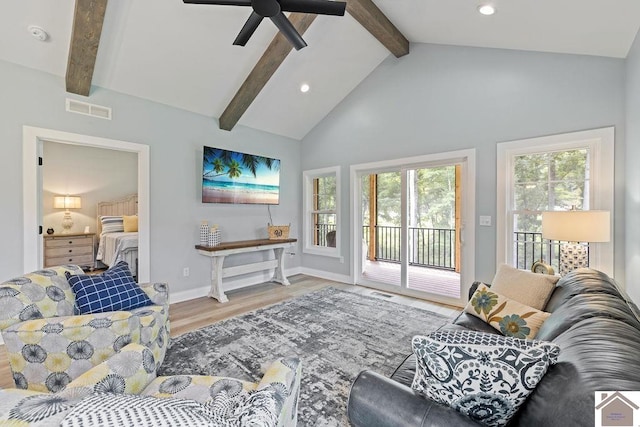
<point>444,98</point>
<point>632,230</point>
<point>175,137</point>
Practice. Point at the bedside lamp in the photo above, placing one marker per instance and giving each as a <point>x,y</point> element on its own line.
<point>66,203</point>
<point>574,227</point>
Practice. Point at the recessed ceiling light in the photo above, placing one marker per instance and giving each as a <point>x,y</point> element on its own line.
<point>486,9</point>
<point>304,88</point>
<point>38,32</point>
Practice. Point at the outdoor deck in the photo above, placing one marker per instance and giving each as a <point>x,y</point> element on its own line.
<point>435,281</point>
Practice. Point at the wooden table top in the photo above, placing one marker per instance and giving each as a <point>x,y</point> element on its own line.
<point>244,244</point>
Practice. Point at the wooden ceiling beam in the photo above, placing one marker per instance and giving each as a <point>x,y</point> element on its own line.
<point>83,50</point>
<point>270,61</point>
<point>377,23</point>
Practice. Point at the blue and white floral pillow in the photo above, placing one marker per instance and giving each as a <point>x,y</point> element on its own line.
<point>486,377</point>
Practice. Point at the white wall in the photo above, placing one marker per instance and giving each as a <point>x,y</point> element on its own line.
<point>175,138</point>
<point>443,98</point>
<point>632,196</point>
<point>94,174</point>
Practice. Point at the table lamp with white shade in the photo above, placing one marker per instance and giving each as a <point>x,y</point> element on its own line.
<point>575,227</point>
<point>66,203</point>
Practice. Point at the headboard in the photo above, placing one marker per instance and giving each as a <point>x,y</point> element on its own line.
<point>125,206</point>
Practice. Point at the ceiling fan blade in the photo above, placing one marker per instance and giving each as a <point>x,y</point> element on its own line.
<point>319,7</point>
<point>288,30</point>
<point>248,29</point>
<point>220,2</point>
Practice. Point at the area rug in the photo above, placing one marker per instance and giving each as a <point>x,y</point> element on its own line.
<point>335,333</point>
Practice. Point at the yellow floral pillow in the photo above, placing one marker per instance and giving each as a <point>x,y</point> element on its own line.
<point>508,316</point>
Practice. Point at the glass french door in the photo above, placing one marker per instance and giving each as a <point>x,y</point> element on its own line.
<point>411,228</point>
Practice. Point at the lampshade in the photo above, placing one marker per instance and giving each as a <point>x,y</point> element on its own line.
<point>576,226</point>
<point>67,202</point>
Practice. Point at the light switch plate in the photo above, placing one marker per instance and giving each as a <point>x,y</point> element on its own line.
<point>485,220</point>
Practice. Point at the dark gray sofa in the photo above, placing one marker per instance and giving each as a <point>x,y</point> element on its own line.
<point>598,330</point>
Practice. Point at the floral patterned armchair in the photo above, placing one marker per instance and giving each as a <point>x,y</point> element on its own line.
<point>49,347</point>
<point>123,390</point>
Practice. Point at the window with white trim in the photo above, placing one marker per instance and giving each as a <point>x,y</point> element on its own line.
<point>554,173</point>
<point>321,211</point>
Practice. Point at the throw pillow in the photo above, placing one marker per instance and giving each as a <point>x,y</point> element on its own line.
<point>506,315</point>
<point>486,377</point>
<point>523,286</point>
<point>111,224</point>
<point>134,410</point>
<point>130,223</point>
<point>113,290</point>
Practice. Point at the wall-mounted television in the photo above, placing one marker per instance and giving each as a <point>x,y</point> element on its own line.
<point>234,177</point>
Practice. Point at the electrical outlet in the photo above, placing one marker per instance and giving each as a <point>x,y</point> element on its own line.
<point>185,272</point>
<point>485,220</point>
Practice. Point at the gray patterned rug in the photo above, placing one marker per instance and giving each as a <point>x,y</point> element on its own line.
<point>335,333</point>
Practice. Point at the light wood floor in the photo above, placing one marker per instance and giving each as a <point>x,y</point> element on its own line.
<point>200,312</point>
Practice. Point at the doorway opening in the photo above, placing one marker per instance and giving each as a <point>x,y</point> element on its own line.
<point>33,139</point>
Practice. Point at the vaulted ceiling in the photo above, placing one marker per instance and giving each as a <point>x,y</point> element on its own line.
<point>182,55</point>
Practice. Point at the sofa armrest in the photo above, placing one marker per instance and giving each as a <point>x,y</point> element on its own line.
<point>286,371</point>
<point>128,371</point>
<point>376,400</point>
<point>157,292</point>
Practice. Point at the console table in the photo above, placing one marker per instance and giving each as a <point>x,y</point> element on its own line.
<point>218,254</point>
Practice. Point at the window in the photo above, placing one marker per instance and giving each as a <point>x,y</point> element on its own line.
<point>556,173</point>
<point>321,217</point>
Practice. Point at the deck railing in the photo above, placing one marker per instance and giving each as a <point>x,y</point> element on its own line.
<point>529,247</point>
<point>321,232</point>
<point>428,247</point>
<point>435,247</point>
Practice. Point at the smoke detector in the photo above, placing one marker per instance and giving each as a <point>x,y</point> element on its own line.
<point>38,32</point>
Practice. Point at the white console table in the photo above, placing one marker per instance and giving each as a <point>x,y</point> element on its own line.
<point>218,254</point>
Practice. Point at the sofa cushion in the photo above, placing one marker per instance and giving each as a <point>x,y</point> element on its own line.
<point>586,306</point>
<point>46,354</point>
<point>508,316</point>
<point>523,286</point>
<point>595,354</point>
<point>129,371</point>
<point>113,290</point>
<point>484,376</point>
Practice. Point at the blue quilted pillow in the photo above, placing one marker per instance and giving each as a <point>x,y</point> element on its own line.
<point>113,290</point>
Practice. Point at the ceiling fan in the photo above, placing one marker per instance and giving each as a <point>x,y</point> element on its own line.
<point>274,9</point>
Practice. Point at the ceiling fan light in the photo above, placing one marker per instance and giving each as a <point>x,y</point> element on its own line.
<point>486,9</point>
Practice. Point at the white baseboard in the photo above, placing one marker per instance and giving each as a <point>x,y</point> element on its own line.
<point>342,278</point>
<point>229,284</point>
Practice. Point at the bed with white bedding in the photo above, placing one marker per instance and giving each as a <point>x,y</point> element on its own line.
<point>115,243</point>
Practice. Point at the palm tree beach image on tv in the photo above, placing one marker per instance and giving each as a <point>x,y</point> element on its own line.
<point>234,177</point>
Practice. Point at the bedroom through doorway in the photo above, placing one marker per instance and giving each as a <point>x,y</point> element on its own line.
<point>91,178</point>
<point>101,180</point>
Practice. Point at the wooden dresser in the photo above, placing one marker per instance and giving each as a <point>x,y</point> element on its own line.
<point>72,248</point>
